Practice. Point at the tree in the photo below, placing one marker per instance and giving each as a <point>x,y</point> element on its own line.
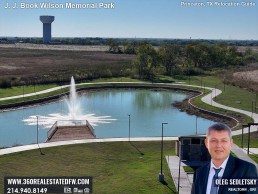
<point>114,46</point>
<point>193,55</point>
<point>147,59</point>
<point>169,57</point>
<point>130,48</point>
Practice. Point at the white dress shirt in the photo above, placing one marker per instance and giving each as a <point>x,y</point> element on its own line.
<point>212,173</point>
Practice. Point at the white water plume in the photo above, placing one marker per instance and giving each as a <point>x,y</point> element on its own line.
<point>73,102</point>
<point>74,114</point>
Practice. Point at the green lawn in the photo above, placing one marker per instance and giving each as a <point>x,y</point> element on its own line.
<point>232,96</point>
<point>190,169</point>
<point>253,143</point>
<point>253,140</point>
<point>18,90</point>
<point>40,96</point>
<point>254,157</point>
<point>240,117</point>
<point>14,91</point>
<point>115,79</point>
<point>119,167</point>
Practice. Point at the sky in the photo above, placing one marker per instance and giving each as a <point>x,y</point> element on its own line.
<point>134,19</point>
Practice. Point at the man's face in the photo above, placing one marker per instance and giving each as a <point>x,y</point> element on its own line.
<point>219,144</point>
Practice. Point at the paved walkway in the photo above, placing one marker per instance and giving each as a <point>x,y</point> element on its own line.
<point>61,87</point>
<point>185,184</point>
<point>251,151</point>
<point>208,99</point>
<point>60,143</point>
<point>241,154</point>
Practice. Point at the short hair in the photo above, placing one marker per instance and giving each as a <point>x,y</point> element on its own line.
<point>219,127</point>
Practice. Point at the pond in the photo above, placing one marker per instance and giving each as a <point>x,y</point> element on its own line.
<point>108,111</point>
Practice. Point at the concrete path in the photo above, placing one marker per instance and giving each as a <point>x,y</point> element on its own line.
<point>60,143</point>
<point>242,155</point>
<point>251,151</point>
<point>59,88</point>
<point>208,99</point>
<point>185,184</point>
<point>216,92</point>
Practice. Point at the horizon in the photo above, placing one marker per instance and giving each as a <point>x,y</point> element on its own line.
<point>133,38</point>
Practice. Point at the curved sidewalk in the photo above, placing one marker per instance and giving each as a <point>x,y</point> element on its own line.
<point>71,142</point>
<point>215,92</point>
<point>59,88</point>
<point>208,99</point>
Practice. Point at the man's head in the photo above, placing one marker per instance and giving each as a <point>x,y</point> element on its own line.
<point>219,142</point>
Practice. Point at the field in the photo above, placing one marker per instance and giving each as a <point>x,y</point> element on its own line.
<point>55,47</point>
<point>87,48</point>
<point>244,48</point>
<point>49,66</point>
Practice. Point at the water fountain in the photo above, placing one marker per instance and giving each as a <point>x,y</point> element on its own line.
<point>73,102</point>
<point>74,117</point>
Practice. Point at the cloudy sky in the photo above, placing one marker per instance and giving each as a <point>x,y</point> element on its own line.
<point>134,18</point>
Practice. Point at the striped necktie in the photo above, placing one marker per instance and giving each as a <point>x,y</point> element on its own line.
<point>214,188</point>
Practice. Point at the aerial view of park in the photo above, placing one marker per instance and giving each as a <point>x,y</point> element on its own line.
<point>118,95</point>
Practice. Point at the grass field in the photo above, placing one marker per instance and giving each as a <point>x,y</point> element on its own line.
<point>230,93</point>
<point>253,143</point>
<point>31,89</point>
<point>232,96</point>
<point>48,66</point>
<point>20,90</point>
<point>120,167</point>
<point>253,140</point>
<point>254,157</point>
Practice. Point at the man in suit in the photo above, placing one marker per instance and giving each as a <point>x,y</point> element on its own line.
<point>219,142</point>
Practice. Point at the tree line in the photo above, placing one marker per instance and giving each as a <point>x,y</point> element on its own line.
<point>151,60</point>
<point>191,59</point>
<point>125,41</point>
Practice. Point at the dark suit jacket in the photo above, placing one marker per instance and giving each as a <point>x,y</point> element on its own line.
<point>235,168</point>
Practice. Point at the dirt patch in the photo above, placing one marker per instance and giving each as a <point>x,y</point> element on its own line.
<point>244,48</point>
<point>247,75</point>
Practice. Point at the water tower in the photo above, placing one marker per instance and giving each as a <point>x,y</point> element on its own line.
<point>47,20</point>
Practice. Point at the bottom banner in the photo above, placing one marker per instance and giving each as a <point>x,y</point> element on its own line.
<point>74,185</point>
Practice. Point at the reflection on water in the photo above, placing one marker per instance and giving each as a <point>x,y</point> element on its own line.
<point>153,100</point>
<point>148,109</point>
